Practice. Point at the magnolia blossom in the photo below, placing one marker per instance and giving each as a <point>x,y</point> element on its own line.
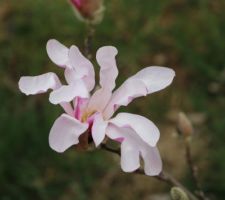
<point>92,113</point>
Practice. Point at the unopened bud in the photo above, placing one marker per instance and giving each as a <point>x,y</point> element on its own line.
<point>177,193</point>
<point>89,10</point>
<point>184,125</point>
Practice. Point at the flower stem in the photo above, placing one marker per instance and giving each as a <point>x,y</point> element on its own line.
<point>194,171</point>
<point>163,176</point>
<point>88,40</point>
<point>115,151</point>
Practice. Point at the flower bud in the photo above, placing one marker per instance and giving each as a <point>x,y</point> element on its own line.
<point>89,10</point>
<point>178,194</point>
<point>184,125</point>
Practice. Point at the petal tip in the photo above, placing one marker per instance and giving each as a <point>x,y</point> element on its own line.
<point>108,50</point>
<point>57,52</point>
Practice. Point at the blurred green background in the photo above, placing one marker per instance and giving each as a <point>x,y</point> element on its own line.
<point>187,35</point>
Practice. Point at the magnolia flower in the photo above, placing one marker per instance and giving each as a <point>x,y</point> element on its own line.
<point>88,10</point>
<point>93,114</point>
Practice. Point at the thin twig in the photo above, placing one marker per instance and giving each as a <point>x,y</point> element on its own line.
<point>88,40</point>
<point>115,151</point>
<point>194,171</point>
<point>163,176</point>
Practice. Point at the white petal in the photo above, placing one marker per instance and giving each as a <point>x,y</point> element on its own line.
<point>83,68</point>
<point>57,52</point>
<point>71,75</point>
<point>65,133</point>
<point>38,84</point>
<point>129,157</point>
<point>67,108</point>
<point>99,100</point>
<point>143,127</point>
<point>146,81</point>
<point>152,161</point>
<point>108,69</point>
<point>155,78</point>
<point>132,147</point>
<point>69,92</point>
<point>129,90</point>
<point>98,129</point>
<point>114,132</point>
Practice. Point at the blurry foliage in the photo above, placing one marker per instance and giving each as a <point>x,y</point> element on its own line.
<point>187,35</point>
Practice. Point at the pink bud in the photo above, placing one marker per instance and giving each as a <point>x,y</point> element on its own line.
<point>185,125</point>
<point>77,3</point>
<point>88,10</point>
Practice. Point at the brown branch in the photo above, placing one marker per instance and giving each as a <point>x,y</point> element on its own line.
<point>194,170</point>
<point>163,176</point>
<point>170,180</point>
<point>115,151</point>
<point>88,40</point>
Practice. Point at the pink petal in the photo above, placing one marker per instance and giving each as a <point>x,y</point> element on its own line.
<point>132,148</point>
<point>71,75</point>
<point>57,52</point>
<point>65,133</point>
<point>130,160</point>
<point>83,68</point>
<point>146,81</point>
<point>99,100</point>
<point>143,127</point>
<point>98,129</point>
<point>31,85</point>
<point>114,132</point>
<point>108,69</point>
<point>67,108</point>
<point>152,161</point>
<point>129,90</point>
<point>69,92</point>
<point>40,84</point>
<point>80,104</point>
<point>155,78</point>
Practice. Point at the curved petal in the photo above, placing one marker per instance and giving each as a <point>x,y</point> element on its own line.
<point>99,100</point>
<point>143,127</point>
<point>132,148</point>
<point>71,75</point>
<point>114,132</point>
<point>108,69</point>
<point>65,133</point>
<point>67,93</point>
<point>146,81</point>
<point>129,90</point>
<point>98,129</point>
<point>130,160</point>
<point>83,68</point>
<point>31,85</point>
<point>67,108</point>
<point>155,78</point>
<point>152,161</point>
<point>57,52</point>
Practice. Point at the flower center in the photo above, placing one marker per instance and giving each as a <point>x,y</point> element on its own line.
<point>87,115</point>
